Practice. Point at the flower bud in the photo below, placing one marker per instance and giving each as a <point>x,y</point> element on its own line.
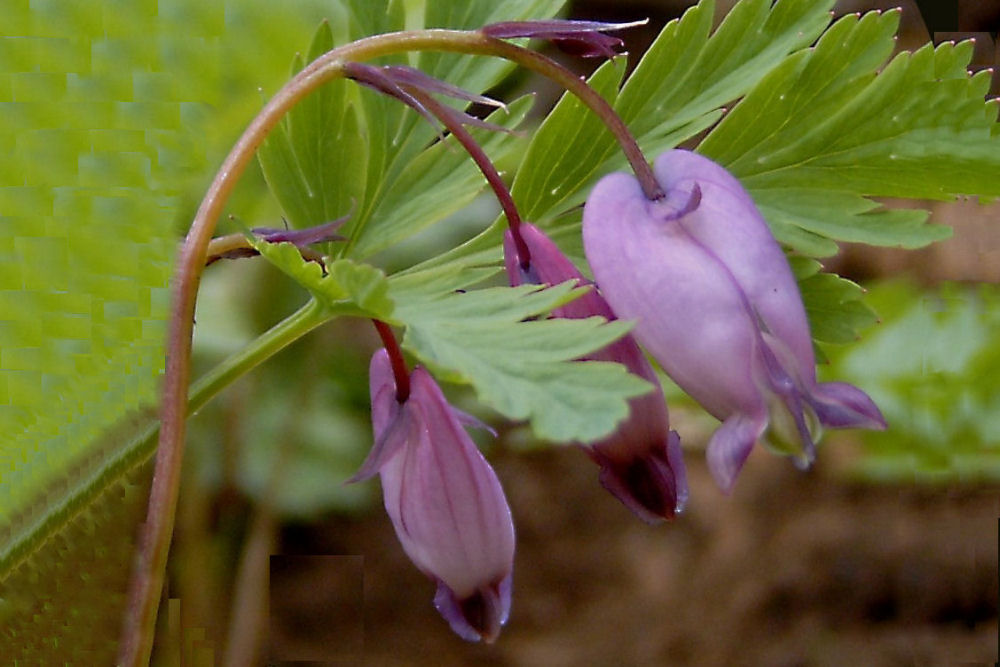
<point>717,305</point>
<point>444,500</point>
<point>641,461</point>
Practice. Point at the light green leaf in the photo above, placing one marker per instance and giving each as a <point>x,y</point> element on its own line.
<point>342,284</point>
<point>436,183</point>
<point>833,304</point>
<point>113,116</point>
<point>674,93</point>
<point>524,369</point>
<point>297,159</point>
<point>823,131</point>
<point>931,367</point>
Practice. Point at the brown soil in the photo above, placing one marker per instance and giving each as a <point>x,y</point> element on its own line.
<point>792,569</point>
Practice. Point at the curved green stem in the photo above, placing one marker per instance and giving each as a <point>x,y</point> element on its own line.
<point>147,580</point>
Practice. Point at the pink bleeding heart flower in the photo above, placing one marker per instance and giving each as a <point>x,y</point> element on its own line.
<point>444,500</point>
<point>641,461</point>
<point>717,305</point>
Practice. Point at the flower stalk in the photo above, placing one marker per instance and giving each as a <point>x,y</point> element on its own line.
<point>148,575</point>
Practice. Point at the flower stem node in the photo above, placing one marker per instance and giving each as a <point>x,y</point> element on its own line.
<point>444,500</point>
<point>716,303</point>
<point>641,461</point>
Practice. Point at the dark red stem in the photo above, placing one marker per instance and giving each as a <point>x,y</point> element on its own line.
<point>482,160</point>
<point>399,370</point>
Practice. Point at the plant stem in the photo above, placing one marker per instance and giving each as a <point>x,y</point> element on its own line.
<point>482,160</point>
<point>399,372</point>
<point>592,99</point>
<point>147,579</point>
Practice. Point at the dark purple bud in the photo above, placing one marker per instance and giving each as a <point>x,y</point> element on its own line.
<point>580,38</point>
<point>303,237</point>
<point>641,461</point>
<point>400,82</point>
<point>414,78</point>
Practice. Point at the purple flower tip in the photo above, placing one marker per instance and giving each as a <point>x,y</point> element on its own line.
<point>478,616</point>
<point>304,237</point>
<point>444,500</point>
<point>582,38</point>
<point>716,303</point>
<point>641,461</point>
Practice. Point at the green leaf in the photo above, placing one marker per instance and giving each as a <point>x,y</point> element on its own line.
<point>931,367</point>
<point>686,74</point>
<point>296,159</point>
<point>675,92</point>
<point>114,114</point>
<point>566,150</point>
<point>343,283</point>
<point>823,131</point>
<point>524,369</point>
<point>346,148</point>
<point>833,304</point>
<point>436,183</point>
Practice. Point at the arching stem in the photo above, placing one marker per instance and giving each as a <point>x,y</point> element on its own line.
<point>154,542</point>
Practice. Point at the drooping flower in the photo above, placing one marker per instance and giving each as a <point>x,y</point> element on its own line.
<point>717,305</point>
<point>641,461</point>
<point>444,500</point>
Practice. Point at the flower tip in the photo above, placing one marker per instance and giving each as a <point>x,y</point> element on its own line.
<point>478,617</point>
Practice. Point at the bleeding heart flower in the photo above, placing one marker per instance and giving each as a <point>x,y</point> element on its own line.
<point>717,305</point>
<point>444,500</point>
<point>641,461</point>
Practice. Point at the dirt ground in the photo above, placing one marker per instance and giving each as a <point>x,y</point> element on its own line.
<point>794,569</point>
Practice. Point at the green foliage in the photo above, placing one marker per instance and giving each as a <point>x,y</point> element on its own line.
<point>114,115</point>
<point>111,115</point>
<point>343,285</point>
<point>932,367</point>
<point>524,369</point>
<point>675,92</point>
<point>833,304</point>
<point>521,367</point>
<point>348,148</point>
<point>823,131</point>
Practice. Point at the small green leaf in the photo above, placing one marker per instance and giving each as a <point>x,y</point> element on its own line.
<point>524,369</point>
<point>674,93</point>
<point>343,283</point>
<point>833,304</point>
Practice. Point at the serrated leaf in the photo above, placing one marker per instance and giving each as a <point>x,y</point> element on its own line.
<point>823,130</point>
<point>343,283</point>
<point>524,369</point>
<point>436,183</point>
<point>353,147</point>
<point>674,93</point>
<point>566,150</point>
<point>316,160</point>
<point>834,307</point>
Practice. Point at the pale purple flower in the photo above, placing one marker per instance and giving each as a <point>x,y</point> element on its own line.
<point>444,500</point>
<point>717,305</point>
<point>641,461</point>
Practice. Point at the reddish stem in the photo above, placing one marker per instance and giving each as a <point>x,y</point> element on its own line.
<point>482,160</point>
<point>399,370</point>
